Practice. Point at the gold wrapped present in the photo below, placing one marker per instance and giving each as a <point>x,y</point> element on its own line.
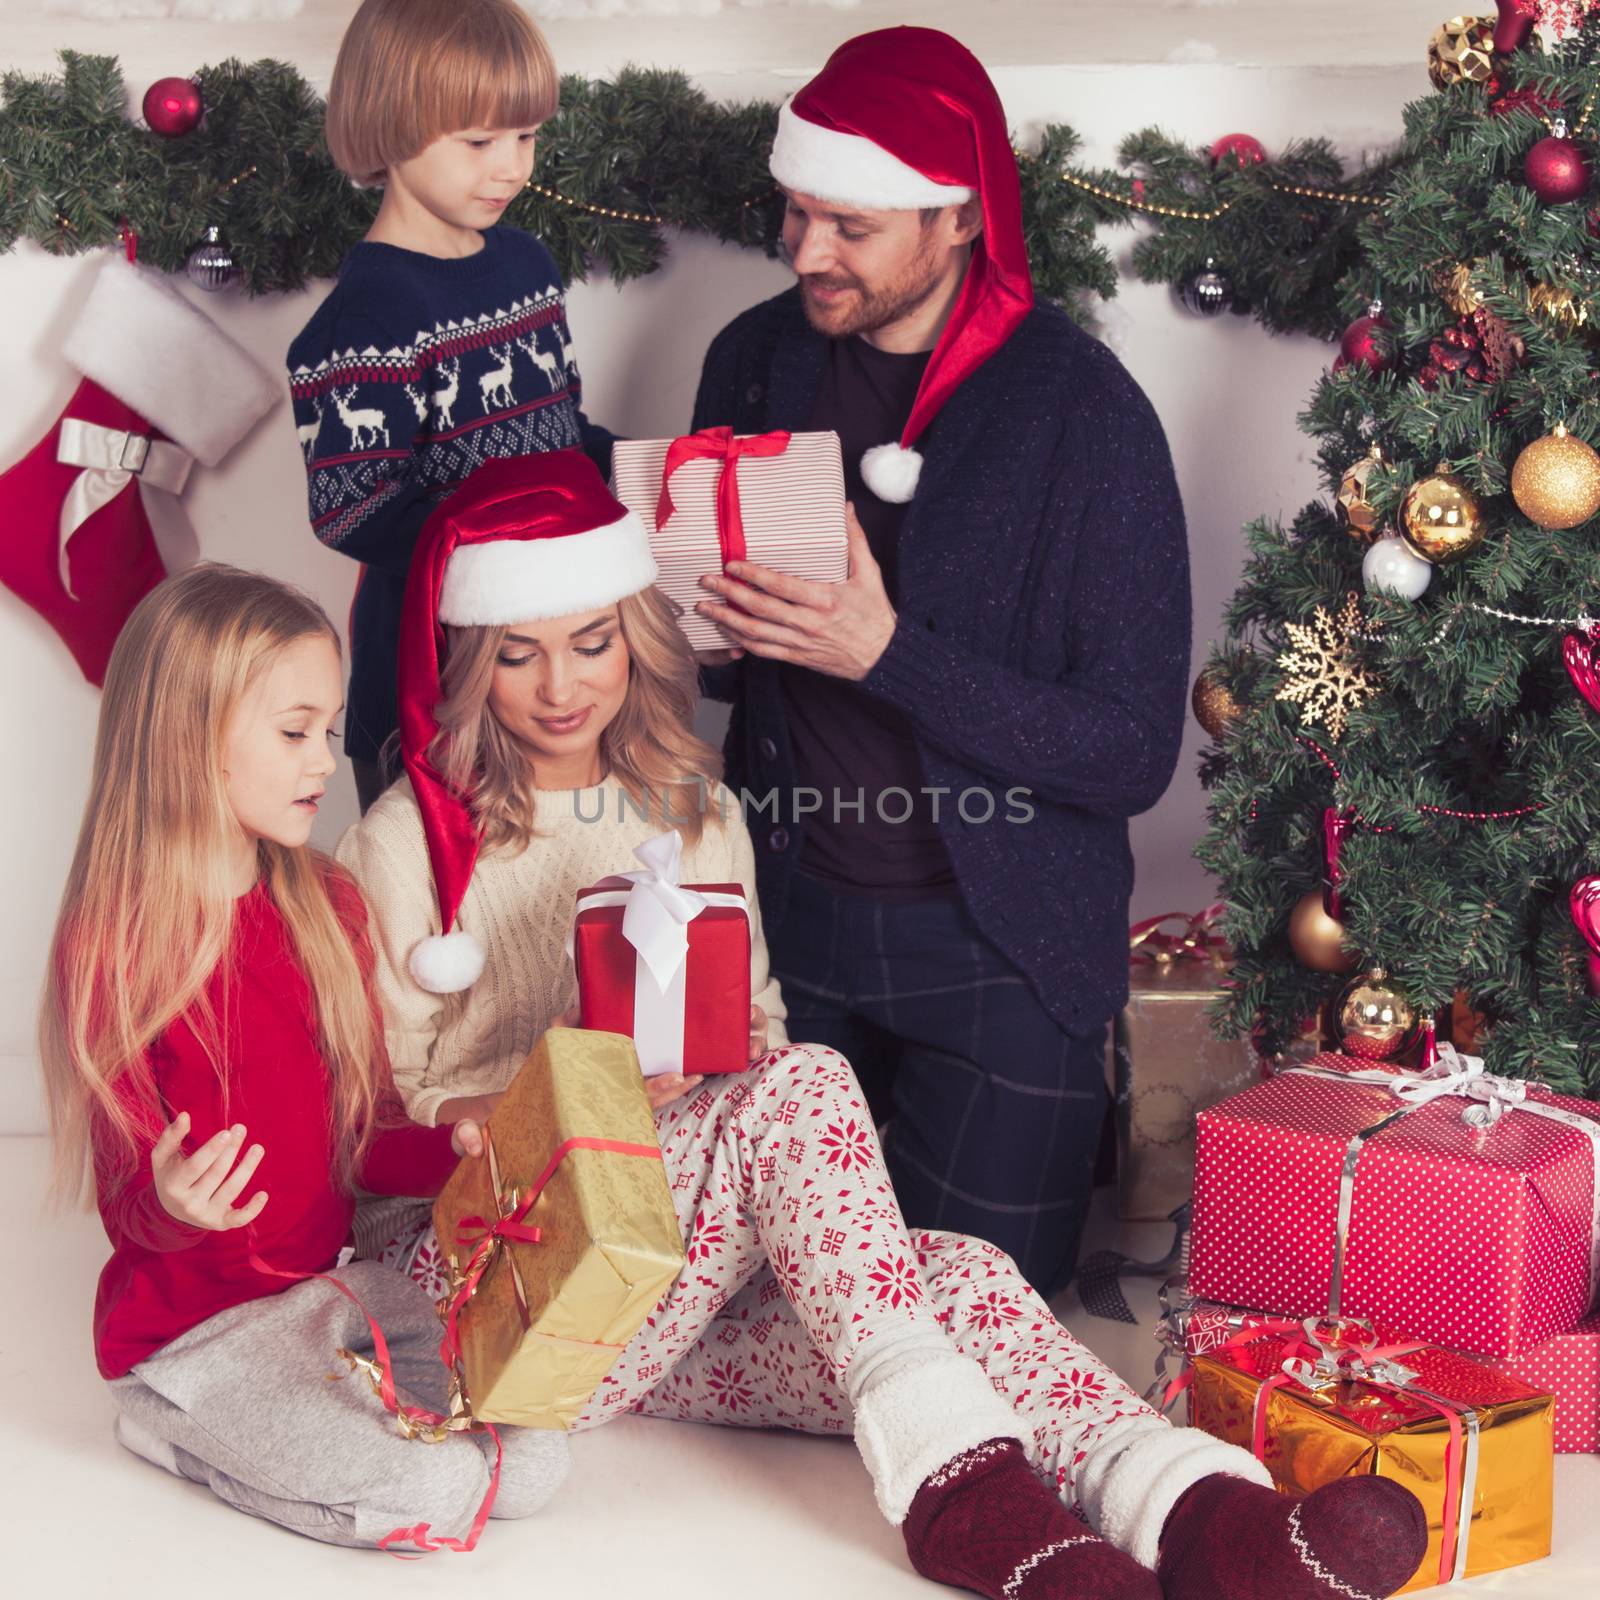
<point>1474,1445</point>
<point>1168,1065</point>
<point>562,1237</point>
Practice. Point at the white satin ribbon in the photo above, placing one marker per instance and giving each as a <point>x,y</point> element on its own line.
<point>111,458</point>
<point>655,921</point>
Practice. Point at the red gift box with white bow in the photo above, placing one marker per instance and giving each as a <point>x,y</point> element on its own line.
<point>666,963</point>
<point>1457,1206</point>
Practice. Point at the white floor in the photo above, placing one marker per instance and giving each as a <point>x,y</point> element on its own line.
<point>653,1510</point>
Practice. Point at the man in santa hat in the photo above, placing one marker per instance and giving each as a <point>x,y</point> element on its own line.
<point>942,753</point>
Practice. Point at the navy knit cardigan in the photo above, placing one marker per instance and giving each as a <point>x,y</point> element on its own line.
<point>1042,639</point>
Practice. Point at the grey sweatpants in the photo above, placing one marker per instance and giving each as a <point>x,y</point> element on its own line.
<point>245,1403</point>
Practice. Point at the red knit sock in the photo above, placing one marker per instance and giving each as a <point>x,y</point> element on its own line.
<point>986,1522</point>
<point>1353,1539</point>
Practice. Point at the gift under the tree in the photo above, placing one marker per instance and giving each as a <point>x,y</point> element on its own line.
<point>1168,1063</point>
<point>1568,1366</point>
<point>773,499</point>
<point>561,1237</point>
<point>1457,1206</point>
<point>1328,1401</point>
<point>666,963</point>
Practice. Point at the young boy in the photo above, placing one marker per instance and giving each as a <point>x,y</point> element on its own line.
<point>444,342</point>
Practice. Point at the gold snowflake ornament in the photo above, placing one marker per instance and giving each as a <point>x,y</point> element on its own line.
<point>1325,677</point>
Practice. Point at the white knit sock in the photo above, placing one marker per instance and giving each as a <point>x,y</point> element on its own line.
<point>1134,1474</point>
<point>915,1419</point>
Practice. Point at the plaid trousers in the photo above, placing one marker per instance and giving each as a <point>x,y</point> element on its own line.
<point>990,1113</point>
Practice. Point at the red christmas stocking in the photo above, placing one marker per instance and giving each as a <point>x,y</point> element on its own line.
<point>163,386</point>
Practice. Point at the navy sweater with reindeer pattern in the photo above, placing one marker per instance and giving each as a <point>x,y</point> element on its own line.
<point>415,370</point>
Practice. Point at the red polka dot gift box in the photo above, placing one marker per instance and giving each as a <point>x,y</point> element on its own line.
<point>1460,1207</point>
<point>1568,1366</point>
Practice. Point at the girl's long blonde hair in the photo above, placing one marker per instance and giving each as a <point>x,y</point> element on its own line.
<point>650,747</point>
<point>148,909</point>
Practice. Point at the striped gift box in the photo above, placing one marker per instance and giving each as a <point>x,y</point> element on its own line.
<point>793,506</point>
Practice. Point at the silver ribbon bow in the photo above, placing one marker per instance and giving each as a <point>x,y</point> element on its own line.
<point>111,459</point>
<point>1455,1074</point>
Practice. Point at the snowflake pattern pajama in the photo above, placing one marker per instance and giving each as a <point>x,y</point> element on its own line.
<point>798,1266</point>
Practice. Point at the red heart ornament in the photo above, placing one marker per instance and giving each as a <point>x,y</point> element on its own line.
<point>1577,651</point>
<point>1586,911</point>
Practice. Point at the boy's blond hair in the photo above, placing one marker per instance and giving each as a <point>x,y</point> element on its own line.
<point>410,71</point>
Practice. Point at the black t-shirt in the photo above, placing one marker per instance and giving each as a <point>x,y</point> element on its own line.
<point>847,744</point>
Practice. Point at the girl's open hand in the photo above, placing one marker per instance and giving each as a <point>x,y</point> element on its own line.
<point>666,1087</point>
<point>758,1034</point>
<point>200,1189</point>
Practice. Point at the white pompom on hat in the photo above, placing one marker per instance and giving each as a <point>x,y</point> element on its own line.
<point>899,120</point>
<point>524,538</point>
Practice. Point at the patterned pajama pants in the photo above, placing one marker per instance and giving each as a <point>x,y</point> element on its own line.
<point>796,1258</point>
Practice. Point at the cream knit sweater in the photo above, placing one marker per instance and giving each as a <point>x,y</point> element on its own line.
<point>519,908</point>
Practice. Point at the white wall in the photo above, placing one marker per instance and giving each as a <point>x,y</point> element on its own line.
<point>1227,393</point>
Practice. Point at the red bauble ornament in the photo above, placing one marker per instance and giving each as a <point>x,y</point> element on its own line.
<point>1577,650</point>
<point>173,107</point>
<point>1366,342</point>
<point>1556,171</point>
<point>1245,148</point>
<point>1586,916</point>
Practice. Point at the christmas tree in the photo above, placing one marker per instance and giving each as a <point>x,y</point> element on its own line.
<point>1404,810</point>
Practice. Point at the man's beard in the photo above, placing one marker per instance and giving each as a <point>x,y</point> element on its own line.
<point>865,311</point>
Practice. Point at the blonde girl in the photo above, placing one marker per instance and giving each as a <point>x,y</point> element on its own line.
<point>216,1073</point>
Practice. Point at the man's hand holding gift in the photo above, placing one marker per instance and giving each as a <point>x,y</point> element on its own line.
<point>840,629</point>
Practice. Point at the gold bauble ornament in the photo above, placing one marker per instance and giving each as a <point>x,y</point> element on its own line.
<point>1558,306</point>
<point>1441,519</point>
<point>1213,703</point>
<point>1355,510</point>
<point>1373,1019</point>
<point>1455,285</point>
<point>1556,481</point>
<point>1318,939</point>
<point>1461,51</point>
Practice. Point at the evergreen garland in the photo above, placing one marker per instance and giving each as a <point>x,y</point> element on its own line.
<point>1475,712</point>
<point>74,165</point>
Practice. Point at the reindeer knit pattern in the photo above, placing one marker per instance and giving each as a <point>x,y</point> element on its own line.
<point>414,371</point>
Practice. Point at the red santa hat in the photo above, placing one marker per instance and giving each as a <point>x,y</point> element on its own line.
<point>899,120</point>
<point>522,539</point>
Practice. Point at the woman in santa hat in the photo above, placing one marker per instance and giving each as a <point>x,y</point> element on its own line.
<point>546,703</point>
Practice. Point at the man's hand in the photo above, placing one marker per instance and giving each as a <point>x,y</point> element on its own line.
<point>199,1190</point>
<point>837,628</point>
<point>717,658</point>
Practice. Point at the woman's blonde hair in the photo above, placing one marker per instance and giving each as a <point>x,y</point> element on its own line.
<point>649,748</point>
<point>410,71</point>
<point>148,910</point>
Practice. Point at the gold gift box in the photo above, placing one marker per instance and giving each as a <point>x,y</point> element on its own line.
<point>1168,1066</point>
<point>1341,1428</point>
<point>547,1320</point>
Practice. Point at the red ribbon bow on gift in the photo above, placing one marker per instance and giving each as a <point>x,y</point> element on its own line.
<point>719,444</point>
<point>1147,941</point>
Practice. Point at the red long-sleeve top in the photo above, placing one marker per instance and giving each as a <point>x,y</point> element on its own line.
<point>165,1277</point>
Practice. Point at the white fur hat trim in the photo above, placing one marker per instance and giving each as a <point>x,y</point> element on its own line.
<point>850,170</point>
<point>891,472</point>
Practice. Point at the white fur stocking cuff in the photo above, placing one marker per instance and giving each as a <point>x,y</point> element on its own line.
<point>1135,1473</point>
<point>911,1424</point>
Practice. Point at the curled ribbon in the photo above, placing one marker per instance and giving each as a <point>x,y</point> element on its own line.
<point>111,459</point>
<point>719,444</point>
<point>1147,941</point>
